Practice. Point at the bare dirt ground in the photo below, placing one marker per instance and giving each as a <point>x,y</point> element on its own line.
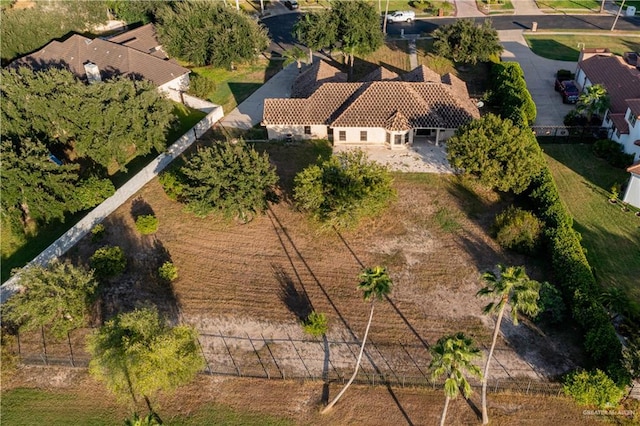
<point>300,401</point>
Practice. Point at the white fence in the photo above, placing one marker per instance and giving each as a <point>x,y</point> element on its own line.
<point>95,216</point>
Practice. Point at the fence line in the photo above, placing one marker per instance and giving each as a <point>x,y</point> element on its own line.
<point>133,185</point>
<point>571,134</point>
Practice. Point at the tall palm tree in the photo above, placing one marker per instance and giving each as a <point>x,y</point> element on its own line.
<point>375,284</point>
<point>595,100</point>
<point>511,286</point>
<point>295,54</point>
<point>452,356</point>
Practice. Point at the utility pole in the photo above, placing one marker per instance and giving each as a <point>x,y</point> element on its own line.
<point>386,12</point>
<point>615,21</point>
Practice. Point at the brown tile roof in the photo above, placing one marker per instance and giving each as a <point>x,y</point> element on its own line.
<point>143,38</point>
<point>111,58</point>
<point>397,122</point>
<point>314,76</point>
<point>380,74</point>
<point>421,73</point>
<point>620,123</point>
<point>634,104</point>
<point>634,168</point>
<point>621,80</point>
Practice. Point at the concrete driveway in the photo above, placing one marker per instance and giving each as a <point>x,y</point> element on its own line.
<point>539,73</point>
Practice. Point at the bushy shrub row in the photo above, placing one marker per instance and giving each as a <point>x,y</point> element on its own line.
<point>510,94</point>
<point>519,230</point>
<point>575,278</point>
<point>613,152</point>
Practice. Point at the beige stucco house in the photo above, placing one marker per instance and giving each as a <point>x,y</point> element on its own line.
<point>381,109</point>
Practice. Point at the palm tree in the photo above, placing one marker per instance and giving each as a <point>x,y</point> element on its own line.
<point>511,286</point>
<point>453,356</point>
<point>375,284</point>
<point>594,101</point>
<point>295,54</point>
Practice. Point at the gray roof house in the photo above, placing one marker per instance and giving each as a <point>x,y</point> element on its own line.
<point>381,109</point>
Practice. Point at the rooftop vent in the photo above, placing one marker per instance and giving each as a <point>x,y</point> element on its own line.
<point>93,73</point>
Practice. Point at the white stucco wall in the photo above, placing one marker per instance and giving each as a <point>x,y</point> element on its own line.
<point>297,132</point>
<point>375,135</point>
<point>173,88</point>
<point>632,193</point>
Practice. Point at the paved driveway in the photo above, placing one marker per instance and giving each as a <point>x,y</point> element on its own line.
<point>540,76</point>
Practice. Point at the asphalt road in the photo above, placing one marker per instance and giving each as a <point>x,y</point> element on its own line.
<point>280,26</point>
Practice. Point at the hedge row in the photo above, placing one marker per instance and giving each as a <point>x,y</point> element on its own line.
<point>575,278</point>
<point>510,94</point>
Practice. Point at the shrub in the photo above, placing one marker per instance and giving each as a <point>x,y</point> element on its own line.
<point>518,230</point>
<point>172,182</point>
<point>316,324</point>
<point>108,261</point>
<point>510,94</point>
<point>343,189</point>
<point>552,307</point>
<point>147,224</point>
<point>613,152</point>
<point>93,191</point>
<point>201,86</point>
<point>97,232</point>
<point>168,271</point>
<point>592,388</point>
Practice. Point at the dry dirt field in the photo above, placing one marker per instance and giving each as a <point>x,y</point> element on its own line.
<point>246,287</point>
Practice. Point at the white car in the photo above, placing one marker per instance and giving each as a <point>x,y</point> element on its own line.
<point>402,16</point>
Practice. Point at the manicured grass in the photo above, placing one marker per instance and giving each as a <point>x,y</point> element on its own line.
<point>494,6</point>
<point>567,47</point>
<point>610,235</point>
<point>593,5</point>
<point>628,3</point>
<point>37,407</point>
<point>233,87</point>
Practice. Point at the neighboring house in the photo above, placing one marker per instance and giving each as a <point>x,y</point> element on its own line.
<point>621,77</point>
<point>381,109</point>
<point>134,53</point>
<point>632,193</point>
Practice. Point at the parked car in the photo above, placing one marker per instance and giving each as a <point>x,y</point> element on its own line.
<point>563,75</point>
<point>291,4</point>
<point>402,16</point>
<point>569,92</point>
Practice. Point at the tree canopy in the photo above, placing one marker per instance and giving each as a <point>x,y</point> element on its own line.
<point>595,100</point>
<point>500,154</point>
<point>467,42</point>
<point>207,33</point>
<point>109,123</point>
<point>137,354</point>
<point>231,178</point>
<point>56,296</point>
<point>343,189</point>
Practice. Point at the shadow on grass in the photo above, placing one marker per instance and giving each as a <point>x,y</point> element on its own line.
<point>551,49</point>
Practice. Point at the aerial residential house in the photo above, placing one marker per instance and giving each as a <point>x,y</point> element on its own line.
<point>134,53</point>
<point>621,77</point>
<point>381,109</point>
<point>632,193</point>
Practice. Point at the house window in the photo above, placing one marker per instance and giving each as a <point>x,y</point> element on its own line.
<point>363,135</point>
<point>406,138</point>
<point>307,130</point>
<point>607,116</point>
<point>388,137</point>
<point>342,135</point>
<point>632,118</point>
<point>397,140</point>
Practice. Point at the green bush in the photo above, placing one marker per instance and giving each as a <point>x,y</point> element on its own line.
<point>552,307</point>
<point>592,388</point>
<point>518,230</point>
<point>510,94</point>
<point>147,224</point>
<point>168,271</point>
<point>316,324</point>
<point>613,152</point>
<point>172,182</point>
<point>93,191</point>
<point>108,261</point>
<point>343,189</point>
<point>97,232</point>
<point>201,86</point>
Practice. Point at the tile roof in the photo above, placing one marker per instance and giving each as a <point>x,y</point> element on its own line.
<point>421,73</point>
<point>111,58</point>
<point>397,122</point>
<point>396,104</point>
<point>314,76</point>
<point>143,38</point>
<point>634,104</point>
<point>620,123</point>
<point>380,74</point>
<point>621,80</point>
<point>634,168</point>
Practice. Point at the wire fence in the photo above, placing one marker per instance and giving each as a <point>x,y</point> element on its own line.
<point>571,134</point>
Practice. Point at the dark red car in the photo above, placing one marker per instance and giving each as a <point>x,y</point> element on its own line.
<point>569,92</point>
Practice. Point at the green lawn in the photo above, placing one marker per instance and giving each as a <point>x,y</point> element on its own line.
<point>37,407</point>
<point>494,5</point>
<point>610,235</point>
<point>593,5</point>
<point>567,47</point>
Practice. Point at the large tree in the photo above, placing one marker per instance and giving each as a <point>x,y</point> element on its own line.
<point>137,355</point>
<point>500,154</point>
<point>231,178</point>
<point>452,356</point>
<point>375,284</point>
<point>594,100</point>
<point>358,28</point>
<point>316,30</point>
<point>467,42</point>
<point>343,189</point>
<point>33,187</point>
<point>510,286</point>
<point>207,33</point>
<point>57,296</point>
<point>110,122</point>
